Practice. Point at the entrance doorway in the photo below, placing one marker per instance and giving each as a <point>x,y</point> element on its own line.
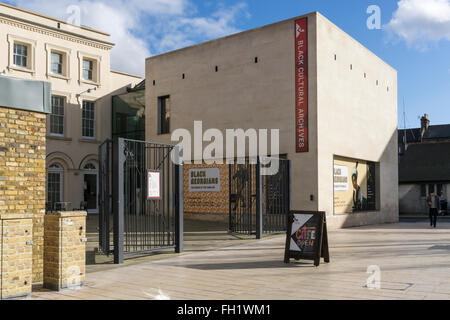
<point>90,188</point>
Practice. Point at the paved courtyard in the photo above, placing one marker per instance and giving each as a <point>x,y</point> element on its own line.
<point>413,258</point>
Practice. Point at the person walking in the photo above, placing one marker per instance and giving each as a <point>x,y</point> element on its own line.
<point>433,203</point>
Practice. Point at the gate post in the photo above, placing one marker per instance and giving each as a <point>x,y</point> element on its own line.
<point>259,206</point>
<point>179,201</point>
<point>118,198</point>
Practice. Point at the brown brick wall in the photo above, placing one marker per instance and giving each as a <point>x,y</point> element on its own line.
<point>22,172</point>
<point>65,249</point>
<point>16,255</point>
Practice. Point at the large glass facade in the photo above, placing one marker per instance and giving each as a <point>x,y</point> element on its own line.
<point>128,115</point>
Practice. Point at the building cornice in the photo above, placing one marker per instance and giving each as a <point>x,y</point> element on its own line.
<point>54,32</point>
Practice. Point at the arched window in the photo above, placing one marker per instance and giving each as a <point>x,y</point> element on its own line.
<point>90,166</point>
<point>55,178</point>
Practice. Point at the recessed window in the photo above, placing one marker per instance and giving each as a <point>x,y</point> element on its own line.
<point>377,82</point>
<point>351,67</point>
<point>217,69</point>
<point>256,59</point>
<point>183,76</point>
<point>164,115</point>
<point>57,116</point>
<point>21,55</point>
<point>57,63</point>
<point>154,82</point>
<point>55,178</point>
<point>88,119</point>
<point>365,75</point>
<point>335,57</point>
<point>88,70</point>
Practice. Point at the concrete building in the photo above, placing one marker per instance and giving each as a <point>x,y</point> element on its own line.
<point>334,101</point>
<point>424,157</point>
<point>76,61</point>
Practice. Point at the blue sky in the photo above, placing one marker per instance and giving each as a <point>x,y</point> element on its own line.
<point>414,38</point>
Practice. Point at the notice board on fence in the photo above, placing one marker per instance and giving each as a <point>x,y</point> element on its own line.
<point>307,237</point>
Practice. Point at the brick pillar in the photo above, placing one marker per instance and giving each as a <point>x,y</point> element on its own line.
<point>22,172</point>
<point>64,249</point>
<point>16,255</point>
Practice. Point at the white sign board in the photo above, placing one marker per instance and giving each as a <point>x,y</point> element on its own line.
<point>204,180</point>
<point>341,179</point>
<point>154,185</point>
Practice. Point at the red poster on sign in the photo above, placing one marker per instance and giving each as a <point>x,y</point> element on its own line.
<point>301,85</point>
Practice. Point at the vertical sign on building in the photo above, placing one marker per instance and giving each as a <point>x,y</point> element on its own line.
<point>301,85</point>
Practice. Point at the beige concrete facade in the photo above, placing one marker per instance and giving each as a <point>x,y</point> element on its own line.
<point>352,104</point>
<point>43,36</point>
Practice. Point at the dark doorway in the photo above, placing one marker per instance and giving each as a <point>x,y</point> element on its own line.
<point>90,192</point>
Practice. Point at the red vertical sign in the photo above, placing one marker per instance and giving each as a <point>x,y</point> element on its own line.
<point>301,85</point>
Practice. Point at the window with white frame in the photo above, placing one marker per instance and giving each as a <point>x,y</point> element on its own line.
<point>55,180</point>
<point>21,55</point>
<point>88,119</point>
<point>88,70</point>
<point>57,63</point>
<point>57,116</point>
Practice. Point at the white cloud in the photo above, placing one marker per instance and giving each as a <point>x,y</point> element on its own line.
<point>141,28</point>
<point>419,22</point>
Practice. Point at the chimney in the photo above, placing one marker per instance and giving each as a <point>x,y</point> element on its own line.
<point>424,125</point>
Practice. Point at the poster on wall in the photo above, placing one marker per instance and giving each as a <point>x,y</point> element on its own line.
<point>204,180</point>
<point>301,85</point>
<point>354,185</point>
<point>153,185</point>
<point>340,178</point>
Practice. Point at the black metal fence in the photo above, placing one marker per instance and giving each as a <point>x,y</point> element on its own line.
<point>276,197</point>
<point>259,196</point>
<point>242,185</point>
<point>146,199</point>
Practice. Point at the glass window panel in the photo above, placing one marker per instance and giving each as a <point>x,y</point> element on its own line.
<point>57,115</point>
<point>20,58</point>
<point>88,119</point>
<point>57,63</point>
<point>88,70</point>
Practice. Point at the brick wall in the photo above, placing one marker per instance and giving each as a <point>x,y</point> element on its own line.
<point>65,249</point>
<point>16,255</point>
<point>22,173</point>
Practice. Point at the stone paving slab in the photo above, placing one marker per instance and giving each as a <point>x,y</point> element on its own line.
<point>414,261</point>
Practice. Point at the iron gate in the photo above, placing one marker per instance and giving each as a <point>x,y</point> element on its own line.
<point>276,195</point>
<point>259,199</point>
<point>242,202</point>
<point>143,222</point>
<point>105,196</point>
